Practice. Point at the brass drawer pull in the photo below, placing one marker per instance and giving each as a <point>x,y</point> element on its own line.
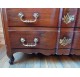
<point>68,18</point>
<point>29,45</point>
<point>35,15</point>
<point>65,41</point>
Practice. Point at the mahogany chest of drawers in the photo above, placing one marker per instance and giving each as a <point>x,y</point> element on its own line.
<point>41,30</point>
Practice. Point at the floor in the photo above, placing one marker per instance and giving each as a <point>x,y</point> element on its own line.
<point>38,61</point>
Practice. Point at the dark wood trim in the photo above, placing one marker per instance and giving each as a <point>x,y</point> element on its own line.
<point>30,51</point>
<point>59,29</point>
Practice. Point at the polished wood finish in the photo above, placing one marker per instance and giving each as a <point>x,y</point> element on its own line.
<point>75,52</point>
<point>49,29</point>
<point>64,51</point>
<point>76,42</point>
<point>36,51</point>
<point>70,11</point>
<point>47,17</point>
<point>68,33</point>
<point>78,18</point>
<point>43,34</point>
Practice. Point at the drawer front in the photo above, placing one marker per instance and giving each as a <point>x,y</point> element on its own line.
<point>76,42</point>
<point>69,17</point>
<point>65,41</point>
<point>25,17</point>
<point>24,38</point>
<point>78,18</point>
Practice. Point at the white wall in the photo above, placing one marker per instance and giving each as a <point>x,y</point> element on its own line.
<point>1,32</point>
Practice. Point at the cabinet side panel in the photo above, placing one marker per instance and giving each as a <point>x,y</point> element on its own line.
<point>5,30</point>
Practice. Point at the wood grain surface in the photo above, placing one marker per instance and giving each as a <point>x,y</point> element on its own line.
<point>48,17</point>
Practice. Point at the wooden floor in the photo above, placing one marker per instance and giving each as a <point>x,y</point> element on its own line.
<point>38,61</point>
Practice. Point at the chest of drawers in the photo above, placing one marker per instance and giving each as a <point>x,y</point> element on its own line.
<point>41,30</point>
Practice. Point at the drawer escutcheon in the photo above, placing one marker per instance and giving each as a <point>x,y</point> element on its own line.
<point>65,41</point>
<point>68,18</point>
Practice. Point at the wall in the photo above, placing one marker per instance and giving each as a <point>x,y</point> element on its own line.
<point>1,31</point>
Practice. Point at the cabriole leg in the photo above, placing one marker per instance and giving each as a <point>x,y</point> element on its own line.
<point>11,61</point>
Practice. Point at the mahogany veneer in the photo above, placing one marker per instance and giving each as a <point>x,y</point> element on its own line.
<point>43,34</point>
<point>52,31</point>
<point>47,17</point>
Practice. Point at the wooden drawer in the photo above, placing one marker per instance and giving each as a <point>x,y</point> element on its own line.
<point>47,17</point>
<point>65,41</point>
<point>46,37</point>
<point>69,17</point>
<point>78,18</point>
<point>76,41</point>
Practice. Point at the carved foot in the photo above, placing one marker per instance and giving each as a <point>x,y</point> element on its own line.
<point>11,61</point>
